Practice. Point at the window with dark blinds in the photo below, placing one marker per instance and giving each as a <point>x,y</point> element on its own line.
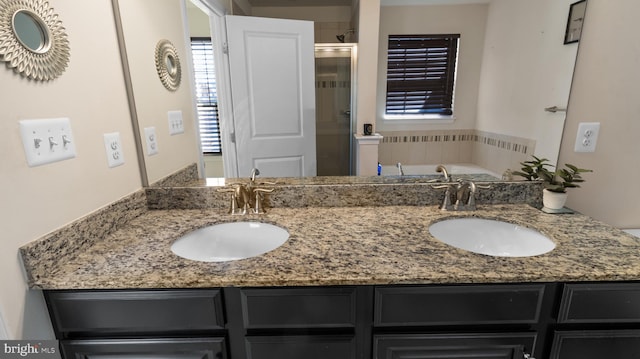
<point>206,95</point>
<point>421,74</point>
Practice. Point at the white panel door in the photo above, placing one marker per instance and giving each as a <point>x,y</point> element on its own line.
<point>272,82</point>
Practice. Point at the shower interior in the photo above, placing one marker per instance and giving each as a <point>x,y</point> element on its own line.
<point>335,70</point>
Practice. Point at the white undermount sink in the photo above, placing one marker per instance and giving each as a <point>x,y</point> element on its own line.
<point>230,241</point>
<point>491,237</point>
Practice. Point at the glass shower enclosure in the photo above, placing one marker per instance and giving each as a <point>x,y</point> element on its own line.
<point>335,72</point>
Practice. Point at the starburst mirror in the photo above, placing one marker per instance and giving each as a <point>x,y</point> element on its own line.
<point>33,41</point>
<point>168,65</point>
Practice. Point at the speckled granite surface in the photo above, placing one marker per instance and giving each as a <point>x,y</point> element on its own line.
<point>181,177</point>
<point>291,194</point>
<point>338,246</point>
<point>40,255</point>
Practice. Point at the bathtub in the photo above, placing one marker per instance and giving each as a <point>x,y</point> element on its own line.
<point>635,232</point>
<point>452,169</point>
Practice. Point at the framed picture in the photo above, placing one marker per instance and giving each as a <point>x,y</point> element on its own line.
<point>575,21</point>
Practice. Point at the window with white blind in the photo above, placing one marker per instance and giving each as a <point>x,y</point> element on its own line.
<point>206,94</point>
<point>421,75</point>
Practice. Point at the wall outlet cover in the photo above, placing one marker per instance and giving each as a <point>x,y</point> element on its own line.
<point>587,137</point>
<point>152,140</point>
<point>113,147</point>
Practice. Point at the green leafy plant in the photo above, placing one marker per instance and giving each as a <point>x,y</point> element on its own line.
<point>555,181</point>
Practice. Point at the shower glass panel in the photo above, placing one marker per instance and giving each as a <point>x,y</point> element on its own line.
<point>334,74</point>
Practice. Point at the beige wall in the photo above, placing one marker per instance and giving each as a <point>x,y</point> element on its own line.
<point>467,20</point>
<point>526,68</point>
<point>198,22</point>
<point>153,100</point>
<point>605,89</point>
<point>38,200</point>
<point>329,21</point>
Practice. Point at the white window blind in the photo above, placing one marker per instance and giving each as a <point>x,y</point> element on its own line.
<point>207,96</point>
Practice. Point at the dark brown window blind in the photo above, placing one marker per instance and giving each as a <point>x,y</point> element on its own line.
<point>421,74</point>
<point>206,95</point>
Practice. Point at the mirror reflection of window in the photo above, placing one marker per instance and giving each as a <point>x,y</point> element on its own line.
<point>207,95</point>
<point>421,75</point>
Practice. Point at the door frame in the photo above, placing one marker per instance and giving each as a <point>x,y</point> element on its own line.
<point>218,30</point>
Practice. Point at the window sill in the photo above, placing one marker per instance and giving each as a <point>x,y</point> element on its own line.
<point>423,119</point>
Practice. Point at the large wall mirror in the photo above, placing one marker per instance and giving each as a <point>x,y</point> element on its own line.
<point>517,67</point>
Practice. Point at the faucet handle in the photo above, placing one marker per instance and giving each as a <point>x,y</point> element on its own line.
<point>447,185</point>
<point>258,207</point>
<point>239,198</point>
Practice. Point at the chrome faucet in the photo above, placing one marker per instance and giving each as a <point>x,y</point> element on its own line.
<point>247,198</point>
<point>254,173</point>
<point>459,196</point>
<point>442,169</point>
<point>465,196</point>
<point>240,202</point>
<point>449,193</point>
<point>400,170</point>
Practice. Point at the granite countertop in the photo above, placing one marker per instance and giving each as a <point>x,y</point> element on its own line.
<point>342,246</point>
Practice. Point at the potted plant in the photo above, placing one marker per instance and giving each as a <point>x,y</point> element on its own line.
<point>556,182</point>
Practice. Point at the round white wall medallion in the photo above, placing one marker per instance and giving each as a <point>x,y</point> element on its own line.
<point>33,41</point>
<point>168,65</point>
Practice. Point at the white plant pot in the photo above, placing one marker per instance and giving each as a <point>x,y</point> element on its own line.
<point>553,200</point>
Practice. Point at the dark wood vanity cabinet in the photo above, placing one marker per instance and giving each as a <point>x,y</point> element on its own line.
<point>470,321</point>
<point>179,348</point>
<point>301,322</point>
<point>502,321</point>
<point>126,324</point>
<point>598,320</point>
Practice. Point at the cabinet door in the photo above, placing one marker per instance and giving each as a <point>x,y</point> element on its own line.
<point>301,346</point>
<point>600,303</point>
<point>291,308</point>
<point>197,348</point>
<point>596,344</point>
<point>458,305</point>
<point>166,313</point>
<point>453,346</point>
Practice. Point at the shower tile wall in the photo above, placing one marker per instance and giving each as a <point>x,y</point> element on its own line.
<point>492,151</point>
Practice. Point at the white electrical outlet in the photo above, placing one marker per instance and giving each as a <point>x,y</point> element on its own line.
<point>47,140</point>
<point>113,146</point>
<point>587,136</point>
<point>152,140</point>
<point>176,125</point>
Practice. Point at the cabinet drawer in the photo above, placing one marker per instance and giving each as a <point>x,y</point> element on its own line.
<point>596,344</point>
<point>296,347</point>
<point>281,308</point>
<point>458,305</point>
<point>84,313</point>
<point>190,348</point>
<point>454,346</point>
<point>599,303</point>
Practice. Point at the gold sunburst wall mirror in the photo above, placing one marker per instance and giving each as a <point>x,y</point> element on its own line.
<point>33,41</point>
<point>168,65</point>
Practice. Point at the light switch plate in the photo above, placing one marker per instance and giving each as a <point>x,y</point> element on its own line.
<point>176,125</point>
<point>587,137</point>
<point>113,146</point>
<point>47,140</point>
<point>152,140</point>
